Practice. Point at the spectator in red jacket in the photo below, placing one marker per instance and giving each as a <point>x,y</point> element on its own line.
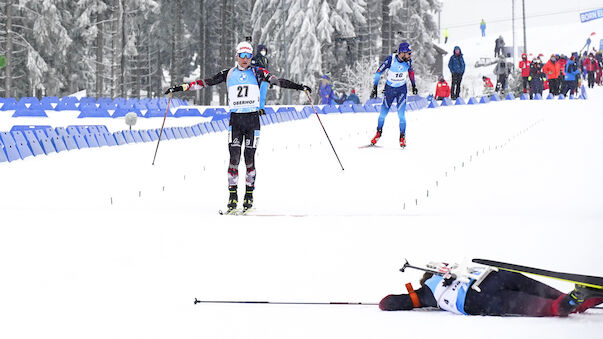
<point>487,82</point>
<point>592,66</point>
<point>442,89</point>
<point>488,86</point>
<point>524,65</point>
<point>562,60</point>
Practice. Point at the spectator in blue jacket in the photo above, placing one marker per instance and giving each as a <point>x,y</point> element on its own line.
<point>572,74</point>
<point>327,95</point>
<point>353,97</point>
<point>456,64</point>
<point>482,26</point>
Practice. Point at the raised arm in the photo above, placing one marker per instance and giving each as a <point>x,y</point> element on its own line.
<point>216,79</point>
<point>264,75</point>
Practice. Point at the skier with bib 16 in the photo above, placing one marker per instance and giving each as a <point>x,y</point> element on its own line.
<point>246,104</point>
<point>400,69</point>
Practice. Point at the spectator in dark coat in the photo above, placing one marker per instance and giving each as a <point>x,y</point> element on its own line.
<point>536,78</point>
<point>599,77</point>
<point>342,98</point>
<point>502,71</point>
<point>499,43</point>
<point>260,59</point>
<point>456,64</point>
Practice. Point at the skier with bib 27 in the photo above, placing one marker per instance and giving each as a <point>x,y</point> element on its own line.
<point>246,104</point>
<point>400,69</point>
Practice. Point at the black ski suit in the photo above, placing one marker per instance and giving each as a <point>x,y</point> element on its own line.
<point>502,293</point>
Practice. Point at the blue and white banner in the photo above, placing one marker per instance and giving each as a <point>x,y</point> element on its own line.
<point>591,15</point>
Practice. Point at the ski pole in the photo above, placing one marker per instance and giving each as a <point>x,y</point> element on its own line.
<point>282,302</point>
<point>161,131</point>
<point>295,303</point>
<point>323,128</point>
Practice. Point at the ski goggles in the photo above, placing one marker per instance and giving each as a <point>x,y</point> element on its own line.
<point>245,55</point>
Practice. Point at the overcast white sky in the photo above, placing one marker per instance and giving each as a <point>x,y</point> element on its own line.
<point>462,17</point>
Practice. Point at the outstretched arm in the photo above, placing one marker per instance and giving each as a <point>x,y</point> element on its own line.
<point>264,75</point>
<point>284,83</point>
<point>404,302</point>
<point>216,79</point>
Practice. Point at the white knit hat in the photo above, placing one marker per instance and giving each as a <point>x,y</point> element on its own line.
<point>244,47</point>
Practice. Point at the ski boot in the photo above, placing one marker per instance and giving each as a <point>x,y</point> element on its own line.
<point>572,301</point>
<point>402,140</point>
<point>248,198</point>
<point>581,293</point>
<point>376,138</point>
<point>232,199</point>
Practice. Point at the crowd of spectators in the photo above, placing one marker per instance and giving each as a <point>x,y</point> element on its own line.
<point>559,74</point>
<point>563,75</point>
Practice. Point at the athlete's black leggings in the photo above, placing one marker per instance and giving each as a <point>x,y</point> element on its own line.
<point>244,129</point>
<point>509,293</point>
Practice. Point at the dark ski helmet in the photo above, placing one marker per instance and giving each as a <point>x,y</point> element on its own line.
<point>404,48</point>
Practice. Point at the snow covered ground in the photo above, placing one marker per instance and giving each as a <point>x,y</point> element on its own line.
<point>98,243</point>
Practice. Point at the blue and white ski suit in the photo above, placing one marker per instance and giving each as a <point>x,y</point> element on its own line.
<point>395,88</point>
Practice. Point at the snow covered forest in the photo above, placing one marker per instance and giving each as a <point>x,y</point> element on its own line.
<point>134,48</point>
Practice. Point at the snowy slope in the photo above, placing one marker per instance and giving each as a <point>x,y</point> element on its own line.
<point>515,181</point>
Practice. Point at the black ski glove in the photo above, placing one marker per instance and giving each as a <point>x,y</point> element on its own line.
<point>448,281</point>
<point>414,90</point>
<point>174,89</point>
<point>374,92</point>
<point>306,88</point>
